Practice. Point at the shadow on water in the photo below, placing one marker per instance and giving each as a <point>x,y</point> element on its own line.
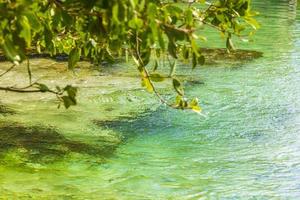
<point>128,126</point>
<point>219,55</point>
<point>45,145</point>
<point>145,123</point>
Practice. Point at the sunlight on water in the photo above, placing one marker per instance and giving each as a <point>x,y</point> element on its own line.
<point>119,144</point>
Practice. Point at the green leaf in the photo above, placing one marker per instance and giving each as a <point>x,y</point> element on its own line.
<point>194,102</point>
<point>196,109</point>
<point>146,83</point>
<point>42,87</point>
<point>145,56</point>
<point>157,77</point>
<point>161,40</point>
<point>74,57</point>
<point>25,30</point>
<point>194,105</point>
<point>189,17</point>
<point>155,65</point>
<point>172,49</point>
<point>48,37</point>
<point>10,50</point>
<point>67,19</point>
<point>252,22</point>
<point>34,22</point>
<point>68,101</point>
<point>177,86</point>
<point>136,23</point>
<point>178,100</point>
<point>151,11</point>
<point>115,13</point>
<point>71,91</point>
<point>194,46</point>
<point>172,68</point>
<point>229,44</point>
<point>185,53</point>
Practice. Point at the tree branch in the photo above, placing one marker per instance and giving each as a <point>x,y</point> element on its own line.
<point>147,75</point>
<point>19,90</point>
<point>27,90</point>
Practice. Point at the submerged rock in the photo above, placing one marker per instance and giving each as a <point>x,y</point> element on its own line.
<point>216,55</point>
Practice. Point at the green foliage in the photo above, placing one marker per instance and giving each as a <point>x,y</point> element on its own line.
<point>100,30</point>
<point>66,95</point>
<point>74,57</point>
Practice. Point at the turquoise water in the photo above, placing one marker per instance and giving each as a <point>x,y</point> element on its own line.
<point>247,146</point>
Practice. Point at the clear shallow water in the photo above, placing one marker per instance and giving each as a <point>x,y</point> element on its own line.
<point>248,147</point>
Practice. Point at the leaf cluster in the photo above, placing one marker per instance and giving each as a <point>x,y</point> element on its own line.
<point>101,30</point>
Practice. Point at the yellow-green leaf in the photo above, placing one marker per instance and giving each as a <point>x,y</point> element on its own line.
<point>147,84</point>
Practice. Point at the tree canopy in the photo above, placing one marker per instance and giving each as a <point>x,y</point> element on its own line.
<point>102,30</point>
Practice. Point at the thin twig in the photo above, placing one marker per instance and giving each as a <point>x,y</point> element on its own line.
<point>11,89</point>
<point>26,90</point>
<point>147,75</point>
<point>221,30</point>
<point>29,72</point>
<point>8,70</point>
